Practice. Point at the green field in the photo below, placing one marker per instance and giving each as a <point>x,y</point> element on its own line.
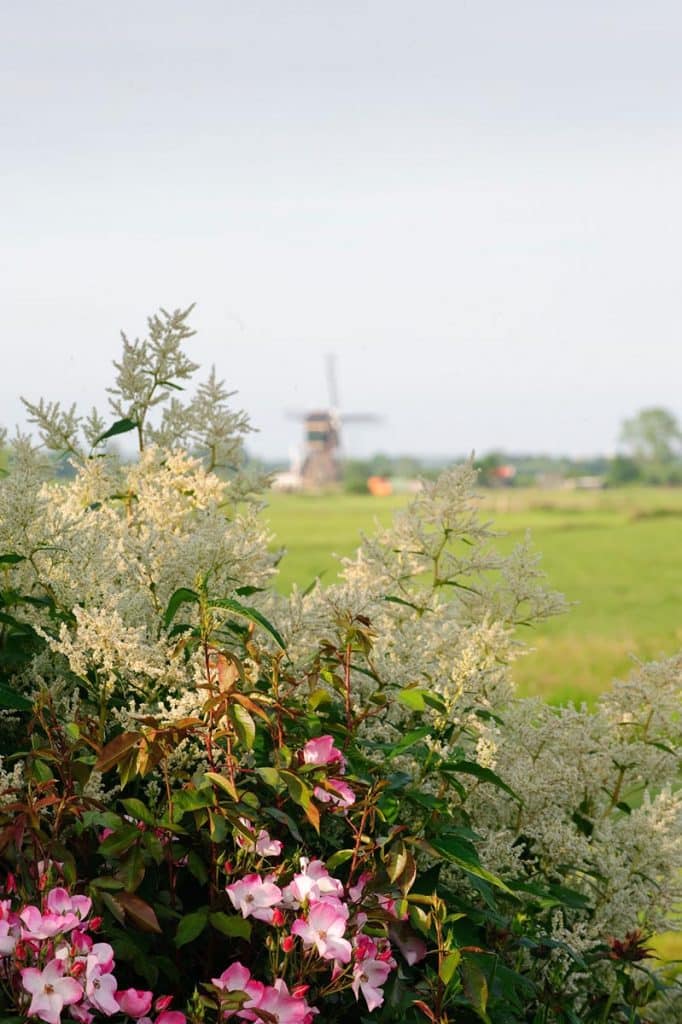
<point>616,554</point>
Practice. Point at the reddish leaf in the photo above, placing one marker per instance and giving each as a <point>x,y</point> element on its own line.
<point>426,1010</point>
<point>139,912</point>
<point>115,751</point>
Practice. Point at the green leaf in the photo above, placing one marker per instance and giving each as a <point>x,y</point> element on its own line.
<point>121,840</point>
<point>479,772</point>
<point>191,926</point>
<point>408,740</point>
<point>449,966</point>
<point>228,924</point>
<point>136,809</point>
<point>412,698</point>
<point>11,558</point>
<point>244,724</point>
<point>399,600</point>
<point>476,989</point>
<point>132,869</point>
<point>227,785</point>
<point>182,595</point>
<point>582,823</point>
<point>9,698</point>
<point>197,867</point>
<point>249,613</point>
<point>284,819</point>
<point>106,882</point>
<point>319,696</point>
<point>433,700</point>
<point>464,855</point>
<point>270,777</point>
<point>119,427</point>
<point>338,858</point>
<point>114,907</point>
<point>193,799</point>
<point>301,794</point>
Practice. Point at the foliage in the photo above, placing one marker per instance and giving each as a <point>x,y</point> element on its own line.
<point>654,437</point>
<point>327,802</point>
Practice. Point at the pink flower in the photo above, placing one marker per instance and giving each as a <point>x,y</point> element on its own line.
<point>59,902</point>
<point>284,1007</point>
<point>45,926</point>
<point>237,978</point>
<point>8,938</point>
<point>100,987</point>
<point>101,954</point>
<point>253,897</point>
<point>313,882</point>
<point>368,977</point>
<point>410,945</point>
<point>356,891</point>
<point>82,942</point>
<point>134,1002</point>
<point>324,928</point>
<point>50,991</point>
<point>337,791</point>
<point>81,1013</point>
<point>322,751</point>
<point>261,844</point>
<point>6,912</point>
<point>171,1017</point>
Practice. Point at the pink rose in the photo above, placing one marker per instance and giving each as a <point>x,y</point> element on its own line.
<point>134,1002</point>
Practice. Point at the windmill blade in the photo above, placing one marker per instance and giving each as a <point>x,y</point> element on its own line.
<point>332,386</point>
<point>360,417</point>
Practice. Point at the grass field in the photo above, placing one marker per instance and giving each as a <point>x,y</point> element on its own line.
<point>617,554</point>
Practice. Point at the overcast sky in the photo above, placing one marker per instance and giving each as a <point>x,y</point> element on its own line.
<point>475,205</point>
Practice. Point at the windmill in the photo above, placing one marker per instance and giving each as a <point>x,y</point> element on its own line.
<point>322,436</point>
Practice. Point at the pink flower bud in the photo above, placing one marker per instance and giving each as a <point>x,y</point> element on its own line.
<point>162,1003</point>
<point>134,1002</point>
<point>288,943</point>
<point>277,918</point>
<point>171,1017</point>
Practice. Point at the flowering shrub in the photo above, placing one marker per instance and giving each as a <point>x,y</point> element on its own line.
<point>51,962</point>
<point>327,806</point>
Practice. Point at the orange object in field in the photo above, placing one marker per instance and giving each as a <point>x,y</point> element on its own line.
<point>379,486</point>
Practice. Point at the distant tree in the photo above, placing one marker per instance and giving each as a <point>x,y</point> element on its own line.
<point>355,474</point>
<point>653,436</point>
<point>622,470</point>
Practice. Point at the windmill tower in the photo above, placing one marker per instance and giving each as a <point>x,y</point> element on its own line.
<point>322,461</point>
